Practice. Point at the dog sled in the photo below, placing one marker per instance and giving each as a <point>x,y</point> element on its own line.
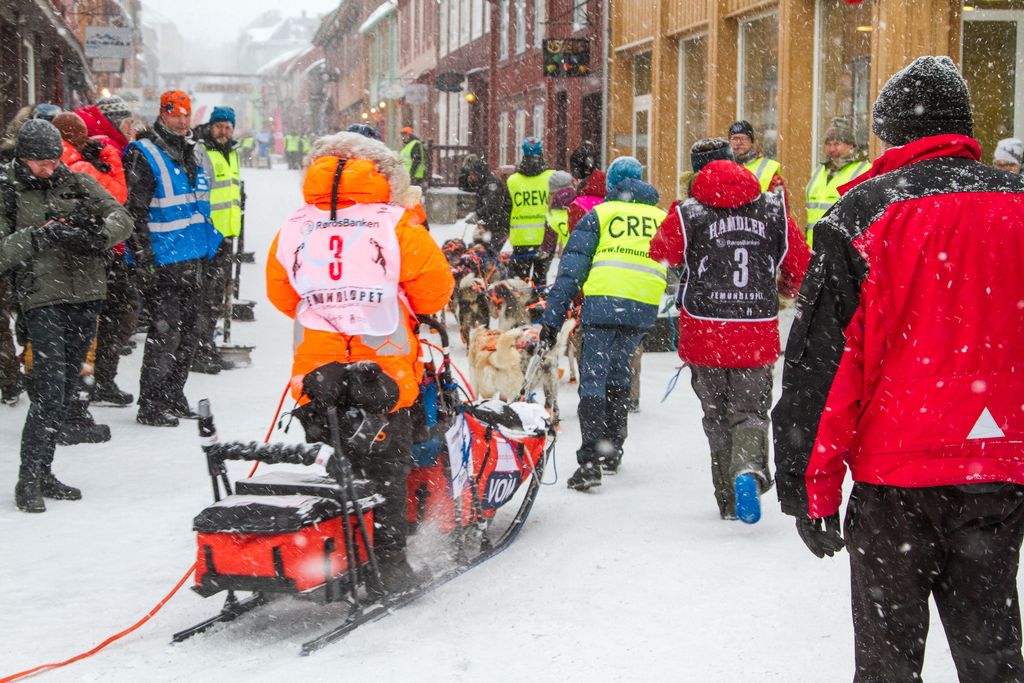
<point>309,533</point>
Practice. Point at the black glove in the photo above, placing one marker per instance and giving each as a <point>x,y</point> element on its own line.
<point>820,541</point>
<point>548,337</point>
<point>70,238</point>
<point>91,152</point>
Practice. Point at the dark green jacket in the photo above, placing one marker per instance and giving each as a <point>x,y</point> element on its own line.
<point>53,276</point>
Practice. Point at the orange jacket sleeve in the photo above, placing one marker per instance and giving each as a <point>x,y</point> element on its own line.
<point>426,277</point>
<point>114,181</point>
<point>279,288</point>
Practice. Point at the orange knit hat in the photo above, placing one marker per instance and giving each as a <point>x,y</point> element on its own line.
<point>176,102</point>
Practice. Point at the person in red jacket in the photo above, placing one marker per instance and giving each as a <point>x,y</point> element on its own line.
<point>906,365</point>
<point>732,241</point>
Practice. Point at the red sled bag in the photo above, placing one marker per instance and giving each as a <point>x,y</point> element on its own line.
<point>494,447</point>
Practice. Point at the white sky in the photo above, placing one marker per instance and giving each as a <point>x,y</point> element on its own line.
<point>218,22</point>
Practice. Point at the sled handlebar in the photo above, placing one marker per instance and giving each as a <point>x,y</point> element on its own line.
<point>434,324</point>
<point>271,453</point>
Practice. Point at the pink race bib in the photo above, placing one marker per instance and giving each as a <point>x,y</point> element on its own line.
<point>346,270</point>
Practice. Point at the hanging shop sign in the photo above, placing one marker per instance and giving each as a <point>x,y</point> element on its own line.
<point>450,81</point>
<point>109,65</point>
<point>566,57</point>
<point>109,42</point>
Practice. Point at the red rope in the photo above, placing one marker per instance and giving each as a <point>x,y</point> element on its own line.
<point>156,608</point>
<point>448,360</point>
<point>270,429</point>
<point>108,641</point>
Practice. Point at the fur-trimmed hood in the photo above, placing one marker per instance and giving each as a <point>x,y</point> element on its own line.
<point>374,173</point>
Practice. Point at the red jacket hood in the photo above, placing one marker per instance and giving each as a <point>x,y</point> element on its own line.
<point>725,185</point>
<point>98,124</point>
<point>594,185</point>
<point>925,148</point>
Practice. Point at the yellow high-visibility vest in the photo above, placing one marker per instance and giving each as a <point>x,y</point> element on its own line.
<point>621,266</point>
<point>558,220</point>
<point>226,193</point>
<point>822,192</point>
<point>529,208</point>
<point>421,168</point>
<point>765,169</point>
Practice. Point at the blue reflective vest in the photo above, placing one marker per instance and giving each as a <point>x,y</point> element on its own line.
<point>179,213</point>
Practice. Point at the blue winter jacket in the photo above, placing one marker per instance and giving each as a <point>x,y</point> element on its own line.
<point>574,267</point>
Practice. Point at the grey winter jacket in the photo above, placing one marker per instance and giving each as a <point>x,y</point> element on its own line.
<point>54,276</point>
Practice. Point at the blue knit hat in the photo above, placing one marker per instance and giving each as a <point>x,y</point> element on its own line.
<point>621,169</point>
<point>533,147</point>
<point>223,114</point>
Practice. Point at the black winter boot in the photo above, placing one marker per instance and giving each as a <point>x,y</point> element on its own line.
<point>27,495</point>
<point>51,487</point>
<point>587,476</point>
<point>153,415</point>
<point>397,575</point>
<point>109,394</point>
<point>10,393</point>
<point>178,407</point>
<point>80,427</point>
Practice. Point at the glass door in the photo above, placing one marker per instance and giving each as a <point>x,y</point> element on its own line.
<point>993,65</point>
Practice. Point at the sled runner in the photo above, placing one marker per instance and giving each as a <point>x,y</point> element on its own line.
<point>311,536</point>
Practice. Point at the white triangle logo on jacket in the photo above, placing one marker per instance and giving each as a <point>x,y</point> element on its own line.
<point>986,427</point>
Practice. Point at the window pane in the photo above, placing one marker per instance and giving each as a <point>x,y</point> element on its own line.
<point>642,74</point>
<point>520,26</point>
<point>760,55</point>
<point>989,66</point>
<point>694,113</point>
<point>538,121</point>
<point>641,132</point>
<point>503,32</point>
<point>844,62</point>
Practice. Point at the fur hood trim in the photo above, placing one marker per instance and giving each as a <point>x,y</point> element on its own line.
<point>389,164</point>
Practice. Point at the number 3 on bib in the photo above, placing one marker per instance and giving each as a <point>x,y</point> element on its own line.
<point>741,275</point>
<point>336,246</point>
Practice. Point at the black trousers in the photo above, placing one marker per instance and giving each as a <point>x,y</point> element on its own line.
<point>60,337</point>
<point>117,320</point>
<point>386,464</point>
<point>173,307</point>
<point>960,547</point>
<point>215,282</point>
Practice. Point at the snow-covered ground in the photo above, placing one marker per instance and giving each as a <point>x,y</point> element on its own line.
<point>636,580</point>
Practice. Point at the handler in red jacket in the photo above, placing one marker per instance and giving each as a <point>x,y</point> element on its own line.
<point>906,364</point>
<point>732,241</point>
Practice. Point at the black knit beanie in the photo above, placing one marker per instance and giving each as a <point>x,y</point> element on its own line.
<point>927,97</point>
<point>707,150</point>
<point>38,139</point>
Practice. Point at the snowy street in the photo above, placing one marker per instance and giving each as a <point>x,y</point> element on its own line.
<point>637,580</point>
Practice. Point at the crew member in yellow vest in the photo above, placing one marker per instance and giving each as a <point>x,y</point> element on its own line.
<point>844,163</point>
<point>561,194</point>
<point>305,144</point>
<point>413,157</point>
<point>607,257</point>
<point>246,150</point>
<point>222,168</point>
<point>747,154</point>
<point>293,150</point>
<point>528,199</point>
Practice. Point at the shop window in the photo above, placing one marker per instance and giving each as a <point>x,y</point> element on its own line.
<point>993,65</point>
<point>759,78</point>
<point>844,68</point>
<point>693,109</point>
